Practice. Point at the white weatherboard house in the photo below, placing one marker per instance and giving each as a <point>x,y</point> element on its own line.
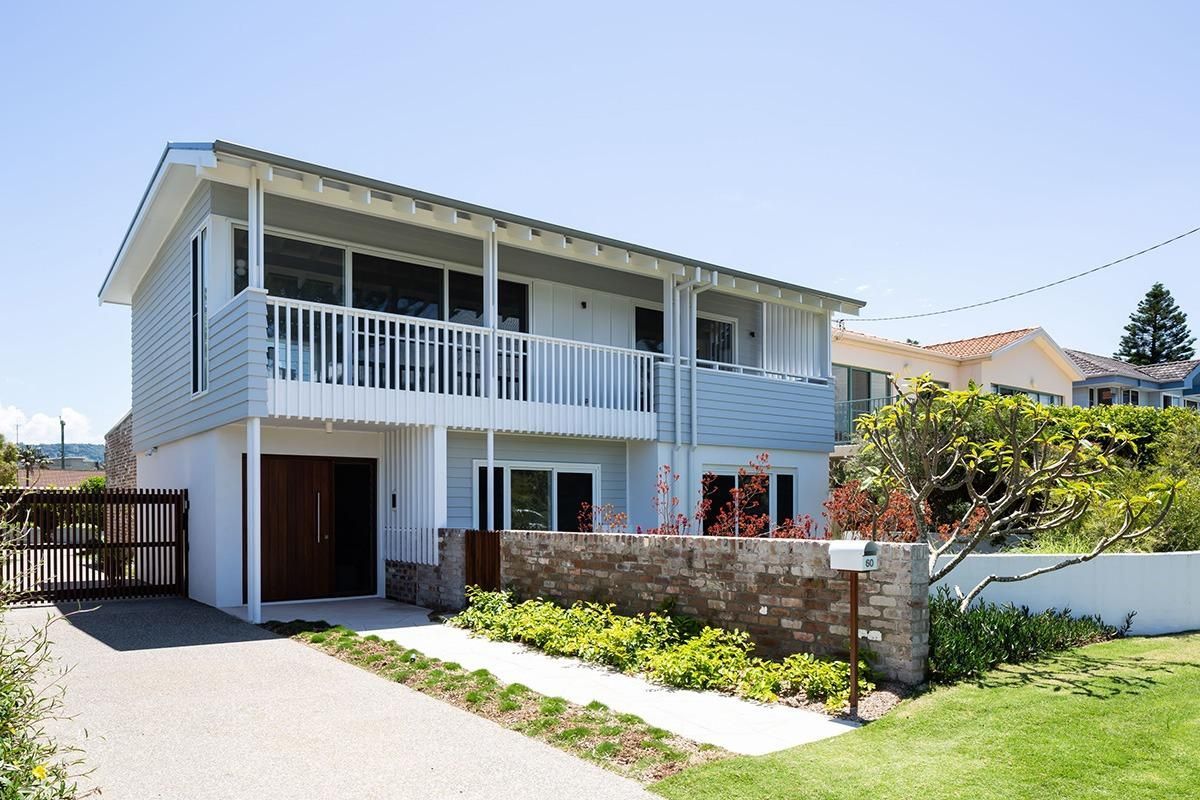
<point>335,366</point>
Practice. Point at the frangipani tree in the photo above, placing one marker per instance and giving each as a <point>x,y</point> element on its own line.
<point>1022,471</point>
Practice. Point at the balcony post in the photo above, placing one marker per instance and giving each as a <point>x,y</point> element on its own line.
<point>491,291</point>
<point>254,520</point>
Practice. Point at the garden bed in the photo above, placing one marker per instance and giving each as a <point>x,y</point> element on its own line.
<point>623,743</point>
<point>672,650</point>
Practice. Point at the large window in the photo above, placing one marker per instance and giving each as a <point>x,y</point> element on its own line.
<point>300,269</point>
<point>294,268</point>
<point>859,385</point>
<point>1044,398</point>
<point>199,312</point>
<point>466,302</point>
<point>778,502</point>
<point>715,338</point>
<point>536,497</point>
<point>396,287</point>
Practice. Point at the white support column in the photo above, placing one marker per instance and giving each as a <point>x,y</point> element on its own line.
<point>437,470</point>
<point>669,326</point>
<point>254,520</point>
<point>491,290</point>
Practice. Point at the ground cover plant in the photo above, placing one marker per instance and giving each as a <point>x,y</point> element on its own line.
<point>1118,720</point>
<point>669,649</point>
<point>965,644</point>
<point>623,743</point>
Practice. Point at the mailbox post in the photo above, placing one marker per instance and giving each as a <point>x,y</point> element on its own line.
<point>852,556</point>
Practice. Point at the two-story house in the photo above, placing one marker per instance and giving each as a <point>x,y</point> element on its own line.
<point>335,366</point>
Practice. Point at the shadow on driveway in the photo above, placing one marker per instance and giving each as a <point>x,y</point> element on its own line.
<point>153,624</point>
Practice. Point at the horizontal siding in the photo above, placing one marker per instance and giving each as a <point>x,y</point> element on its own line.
<point>463,448</point>
<point>747,411</point>
<point>164,408</point>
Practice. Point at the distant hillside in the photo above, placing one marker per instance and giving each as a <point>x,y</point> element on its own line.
<point>92,452</point>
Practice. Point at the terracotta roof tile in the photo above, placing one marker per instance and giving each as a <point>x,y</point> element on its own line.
<point>979,345</point>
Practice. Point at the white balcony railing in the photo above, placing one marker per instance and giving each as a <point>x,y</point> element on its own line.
<point>334,362</point>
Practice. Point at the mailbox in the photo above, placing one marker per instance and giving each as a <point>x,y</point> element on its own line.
<point>854,555</point>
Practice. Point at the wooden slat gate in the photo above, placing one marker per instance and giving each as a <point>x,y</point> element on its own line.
<point>483,559</point>
<point>67,544</point>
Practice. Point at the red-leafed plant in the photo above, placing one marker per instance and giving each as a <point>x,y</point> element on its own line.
<point>602,519</point>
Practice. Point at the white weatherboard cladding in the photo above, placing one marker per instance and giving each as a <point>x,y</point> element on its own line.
<point>747,410</point>
<point>463,448</point>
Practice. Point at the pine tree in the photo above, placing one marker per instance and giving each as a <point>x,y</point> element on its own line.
<point>1157,331</point>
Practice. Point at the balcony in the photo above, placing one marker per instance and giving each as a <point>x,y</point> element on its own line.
<point>847,412</point>
<point>326,362</point>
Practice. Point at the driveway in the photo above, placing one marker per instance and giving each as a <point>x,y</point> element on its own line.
<point>172,699</point>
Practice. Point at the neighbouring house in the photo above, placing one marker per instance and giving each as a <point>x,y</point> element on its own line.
<point>120,464</point>
<point>1025,361</point>
<point>1109,381</point>
<point>335,367</point>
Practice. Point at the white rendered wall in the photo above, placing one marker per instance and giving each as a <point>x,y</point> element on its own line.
<point>209,466</point>
<point>1161,587</point>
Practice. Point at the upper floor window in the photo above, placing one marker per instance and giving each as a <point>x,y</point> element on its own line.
<point>715,338</point>
<point>466,302</point>
<point>397,287</point>
<point>1044,398</point>
<point>199,312</point>
<point>293,268</point>
<point>860,385</point>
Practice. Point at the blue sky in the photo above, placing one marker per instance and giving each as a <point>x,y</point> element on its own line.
<point>915,155</point>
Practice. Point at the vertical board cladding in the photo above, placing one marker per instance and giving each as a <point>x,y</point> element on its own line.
<point>746,410</point>
<point>780,591</point>
<point>164,407</point>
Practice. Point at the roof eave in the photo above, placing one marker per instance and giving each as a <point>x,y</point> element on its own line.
<point>195,155</point>
<point>849,305</point>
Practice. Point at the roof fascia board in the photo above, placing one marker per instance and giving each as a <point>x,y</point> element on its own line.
<point>195,154</point>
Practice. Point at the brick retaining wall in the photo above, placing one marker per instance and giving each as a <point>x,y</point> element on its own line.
<point>440,586</point>
<point>781,591</point>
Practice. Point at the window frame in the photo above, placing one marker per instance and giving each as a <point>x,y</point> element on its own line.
<point>651,305</point>
<point>349,248</point>
<point>198,257</point>
<point>1032,394</point>
<point>553,467</point>
<point>727,470</point>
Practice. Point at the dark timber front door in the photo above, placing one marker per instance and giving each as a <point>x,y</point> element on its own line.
<point>318,527</point>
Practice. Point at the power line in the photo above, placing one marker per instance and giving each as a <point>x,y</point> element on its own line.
<point>1034,289</point>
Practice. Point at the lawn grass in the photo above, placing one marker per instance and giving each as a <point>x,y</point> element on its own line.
<point>1113,720</point>
<point>622,743</point>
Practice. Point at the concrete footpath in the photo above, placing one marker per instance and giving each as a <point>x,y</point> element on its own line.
<point>171,699</point>
<point>736,725</point>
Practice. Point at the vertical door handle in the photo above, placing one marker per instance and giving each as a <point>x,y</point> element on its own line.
<point>318,517</point>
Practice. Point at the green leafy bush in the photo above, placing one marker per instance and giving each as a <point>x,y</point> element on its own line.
<point>965,644</point>
<point>670,649</point>
<point>95,483</point>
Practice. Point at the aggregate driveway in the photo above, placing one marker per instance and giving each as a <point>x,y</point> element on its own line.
<point>172,699</point>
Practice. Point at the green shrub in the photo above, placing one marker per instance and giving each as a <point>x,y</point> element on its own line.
<point>670,649</point>
<point>716,659</point>
<point>965,644</point>
<point>96,483</point>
